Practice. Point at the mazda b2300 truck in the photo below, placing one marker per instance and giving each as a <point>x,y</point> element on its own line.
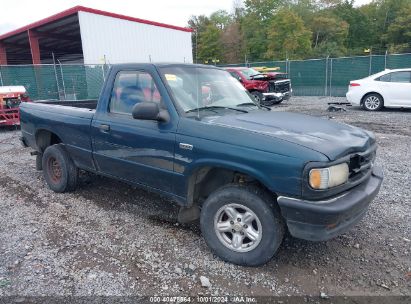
<point>193,134</point>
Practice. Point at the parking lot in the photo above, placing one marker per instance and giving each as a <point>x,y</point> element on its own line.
<point>108,238</point>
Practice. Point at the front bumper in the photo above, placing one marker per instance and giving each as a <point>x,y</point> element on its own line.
<point>276,96</point>
<point>273,96</point>
<point>323,220</point>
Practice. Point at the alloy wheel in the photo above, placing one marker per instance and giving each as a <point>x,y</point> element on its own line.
<point>372,103</point>
<point>238,227</point>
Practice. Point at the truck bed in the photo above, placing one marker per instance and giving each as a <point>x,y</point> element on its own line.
<point>71,120</point>
<point>85,103</point>
<point>55,108</point>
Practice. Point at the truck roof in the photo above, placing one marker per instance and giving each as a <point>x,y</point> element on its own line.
<point>165,64</point>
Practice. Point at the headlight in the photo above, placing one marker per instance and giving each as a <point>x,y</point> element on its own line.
<point>325,178</point>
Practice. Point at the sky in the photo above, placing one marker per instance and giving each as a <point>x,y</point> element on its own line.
<point>18,13</point>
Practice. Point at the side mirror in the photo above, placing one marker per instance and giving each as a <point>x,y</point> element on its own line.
<point>149,111</point>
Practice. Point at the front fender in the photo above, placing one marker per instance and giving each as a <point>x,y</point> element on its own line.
<point>229,165</point>
<point>279,179</point>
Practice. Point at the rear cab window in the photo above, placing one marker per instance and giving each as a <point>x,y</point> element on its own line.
<point>130,88</point>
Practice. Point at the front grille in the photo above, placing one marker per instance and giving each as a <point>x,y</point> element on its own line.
<point>279,87</point>
<point>12,103</point>
<point>361,164</point>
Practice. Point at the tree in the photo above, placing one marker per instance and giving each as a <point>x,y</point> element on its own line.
<point>361,32</point>
<point>198,24</point>
<point>304,8</point>
<point>238,10</point>
<point>232,43</point>
<point>324,4</point>
<point>275,29</point>
<point>329,35</point>
<point>220,19</point>
<point>262,10</point>
<point>255,37</point>
<point>382,13</point>
<point>209,44</point>
<point>288,37</point>
<point>257,16</point>
<point>398,33</point>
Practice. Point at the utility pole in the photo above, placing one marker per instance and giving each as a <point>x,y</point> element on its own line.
<point>196,44</point>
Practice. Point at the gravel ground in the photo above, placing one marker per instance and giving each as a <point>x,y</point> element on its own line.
<point>108,238</point>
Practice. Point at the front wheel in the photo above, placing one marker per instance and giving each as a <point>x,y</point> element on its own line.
<point>373,102</point>
<point>242,225</point>
<point>258,97</point>
<point>277,101</point>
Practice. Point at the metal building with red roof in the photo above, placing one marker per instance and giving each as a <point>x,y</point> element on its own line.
<point>90,36</point>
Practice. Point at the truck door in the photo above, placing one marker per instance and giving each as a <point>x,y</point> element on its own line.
<point>139,151</point>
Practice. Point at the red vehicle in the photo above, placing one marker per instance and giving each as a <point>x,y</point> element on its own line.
<point>10,99</point>
<point>266,88</point>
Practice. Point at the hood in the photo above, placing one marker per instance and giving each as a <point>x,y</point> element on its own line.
<point>270,77</point>
<point>277,75</point>
<point>330,138</point>
<point>262,77</point>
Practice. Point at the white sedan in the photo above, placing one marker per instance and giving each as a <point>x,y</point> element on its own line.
<point>390,88</point>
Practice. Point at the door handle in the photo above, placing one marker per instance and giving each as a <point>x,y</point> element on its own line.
<point>104,128</point>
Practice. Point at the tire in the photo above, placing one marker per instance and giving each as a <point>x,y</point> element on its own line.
<point>258,97</point>
<point>277,102</point>
<point>373,102</point>
<point>267,223</point>
<point>59,170</point>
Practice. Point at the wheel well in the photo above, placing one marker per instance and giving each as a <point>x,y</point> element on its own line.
<point>206,180</point>
<point>369,93</point>
<point>45,138</point>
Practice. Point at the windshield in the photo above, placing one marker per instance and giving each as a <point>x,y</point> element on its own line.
<point>195,88</point>
<point>248,73</point>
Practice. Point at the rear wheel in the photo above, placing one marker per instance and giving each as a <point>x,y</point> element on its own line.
<point>59,170</point>
<point>373,102</point>
<point>242,225</point>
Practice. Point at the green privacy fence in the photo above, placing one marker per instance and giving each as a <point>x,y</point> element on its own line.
<point>331,76</point>
<point>70,82</point>
<point>316,77</point>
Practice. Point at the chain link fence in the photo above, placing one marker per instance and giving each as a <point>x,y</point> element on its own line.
<point>316,77</point>
<point>60,82</point>
<point>331,76</point>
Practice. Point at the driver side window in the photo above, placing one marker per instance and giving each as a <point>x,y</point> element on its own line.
<point>130,88</point>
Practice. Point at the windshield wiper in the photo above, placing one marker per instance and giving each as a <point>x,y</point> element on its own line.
<point>215,107</point>
<point>253,104</point>
<point>246,104</point>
